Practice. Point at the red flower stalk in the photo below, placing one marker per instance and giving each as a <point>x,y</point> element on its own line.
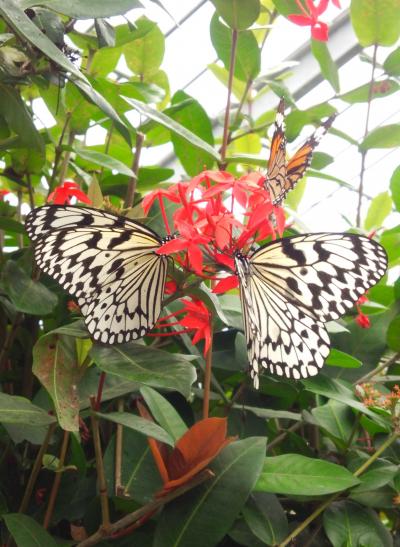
<point>311,12</point>
<point>192,452</point>
<point>62,194</point>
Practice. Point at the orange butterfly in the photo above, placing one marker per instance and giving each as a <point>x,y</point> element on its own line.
<point>281,175</point>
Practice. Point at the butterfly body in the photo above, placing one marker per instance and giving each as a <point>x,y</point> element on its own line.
<point>282,175</point>
<point>109,263</point>
<point>290,287</point>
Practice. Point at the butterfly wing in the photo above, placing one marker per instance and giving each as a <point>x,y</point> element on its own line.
<point>107,262</point>
<point>275,181</point>
<point>293,286</point>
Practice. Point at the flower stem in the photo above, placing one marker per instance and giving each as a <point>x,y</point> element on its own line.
<point>207,380</point>
<point>57,480</point>
<point>130,193</point>
<point>118,452</point>
<point>228,101</point>
<point>100,390</point>
<point>332,498</point>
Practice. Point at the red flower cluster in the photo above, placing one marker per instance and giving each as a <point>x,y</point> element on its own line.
<point>362,319</point>
<point>216,215</point>
<point>62,194</point>
<point>311,12</point>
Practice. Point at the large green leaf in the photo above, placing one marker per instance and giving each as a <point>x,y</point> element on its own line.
<point>18,410</point>
<point>27,532</point>
<point>55,365</point>
<point>202,517</point>
<point>393,338</point>
<point>347,523</point>
<point>84,10</point>
<point>147,366</point>
<point>145,427</point>
<point>104,160</point>
<point>339,358</point>
<point>173,126</point>
<point>380,89</point>
<point>387,136</point>
<point>336,418</point>
<point>164,413</point>
<point>327,65</point>
<point>24,27</point>
<point>376,21</point>
<point>238,14</point>
<point>392,63</point>
<point>145,51</point>
<point>295,474</point>
<point>379,209</point>
<point>266,518</point>
<point>195,118</point>
<point>248,57</point>
<point>395,187</point>
<point>28,296</point>
<point>378,474</point>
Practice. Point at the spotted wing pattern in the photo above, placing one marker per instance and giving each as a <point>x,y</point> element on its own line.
<point>282,175</point>
<point>107,262</point>
<point>289,288</point>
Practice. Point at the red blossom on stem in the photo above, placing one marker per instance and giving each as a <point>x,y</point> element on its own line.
<point>362,320</point>
<point>62,194</point>
<point>311,13</point>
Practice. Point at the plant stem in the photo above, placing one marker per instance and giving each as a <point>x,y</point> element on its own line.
<point>105,510</point>
<point>228,101</point>
<point>364,152</point>
<point>100,390</point>
<point>130,192</point>
<point>56,483</point>
<point>381,367</point>
<point>118,452</point>
<point>36,469</point>
<point>332,498</point>
<point>207,380</point>
<point>10,338</point>
<point>58,152</point>
<point>143,511</point>
<point>65,162</point>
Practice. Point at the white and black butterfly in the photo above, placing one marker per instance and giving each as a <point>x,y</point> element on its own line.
<point>290,287</point>
<point>108,262</point>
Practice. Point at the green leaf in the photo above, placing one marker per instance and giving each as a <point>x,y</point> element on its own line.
<point>139,475</point>
<point>104,160</point>
<point>266,518</point>
<point>27,532</point>
<point>146,366</point>
<point>395,187</point>
<point>238,14</point>
<point>145,51</point>
<point>238,87</point>
<point>293,199</point>
<point>83,10</point>
<point>55,365</point>
<point>376,21</point>
<point>379,209</point>
<point>11,225</point>
<point>338,358</point>
<point>193,117</point>
<point>270,413</point>
<point>378,474</point>
<point>294,474</point>
<point>139,424</point>
<point>347,523</point>
<point>387,136</point>
<point>380,89</point>
<point>248,57</point>
<point>173,126</point>
<point>336,418</point>
<point>328,66</point>
<point>392,63</point>
<point>202,517</point>
<point>27,295</point>
<point>393,338</point>
<point>18,410</point>
<point>105,33</point>
<point>164,413</point>
<point>95,194</point>
<point>25,28</point>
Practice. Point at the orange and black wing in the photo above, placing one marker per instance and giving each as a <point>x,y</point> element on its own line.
<point>275,181</point>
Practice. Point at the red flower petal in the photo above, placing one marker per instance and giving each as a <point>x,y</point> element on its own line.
<point>173,246</point>
<point>301,20</point>
<point>320,32</point>
<point>195,257</point>
<point>226,284</point>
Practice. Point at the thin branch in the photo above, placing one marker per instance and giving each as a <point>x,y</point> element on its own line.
<point>379,369</point>
<point>152,506</point>
<point>65,162</point>
<point>130,192</point>
<point>59,151</point>
<point>207,380</point>
<point>364,152</point>
<point>119,489</point>
<point>56,484</point>
<point>228,101</point>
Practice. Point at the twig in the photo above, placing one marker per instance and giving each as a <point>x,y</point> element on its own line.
<point>105,510</point>
<point>36,469</point>
<point>381,367</point>
<point>143,511</point>
<point>56,484</point>
<point>100,387</point>
<point>280,437</point>
<point>207,380</point>
<point>58,151</point>
<point>119,490</point>
<point>130,192</point>
<point>364,152</point>
<point>65,162</point>
<point>332,498</point>
<point>228,101</point>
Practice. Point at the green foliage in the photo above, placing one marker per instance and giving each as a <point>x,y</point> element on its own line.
<point>71,407</point>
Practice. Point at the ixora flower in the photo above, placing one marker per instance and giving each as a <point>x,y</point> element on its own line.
<point>311,11</point>
<point>191,453</point>
<point>62,194</point>
<point>362,320</point>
